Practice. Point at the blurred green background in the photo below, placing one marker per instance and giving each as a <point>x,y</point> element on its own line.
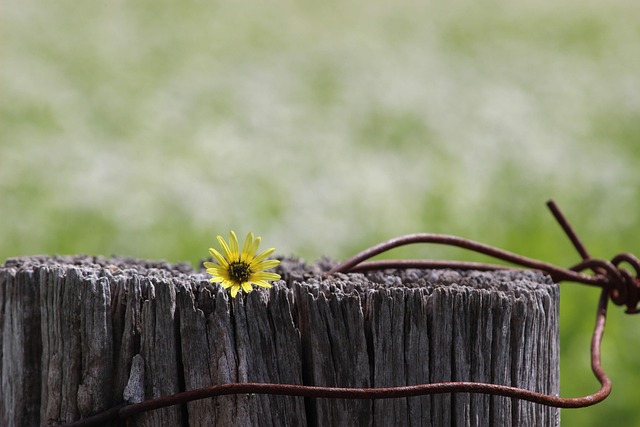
<point>146,128</point>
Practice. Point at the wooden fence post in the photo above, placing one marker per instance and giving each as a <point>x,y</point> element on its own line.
<point>82,334</point>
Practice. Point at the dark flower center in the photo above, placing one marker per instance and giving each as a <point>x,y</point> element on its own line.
<point>239,272</point>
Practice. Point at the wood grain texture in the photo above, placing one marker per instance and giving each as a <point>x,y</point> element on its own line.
<point>81,334</point>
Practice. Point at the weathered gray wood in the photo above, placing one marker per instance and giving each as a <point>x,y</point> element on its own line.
<point>334,348</point>
<point>158,349</point>
<point>81,334</point>
<point>21,348</point>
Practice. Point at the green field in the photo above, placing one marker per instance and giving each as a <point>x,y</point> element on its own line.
<point>145,129</point>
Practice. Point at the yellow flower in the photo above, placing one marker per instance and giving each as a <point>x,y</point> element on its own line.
<point>237,269</point>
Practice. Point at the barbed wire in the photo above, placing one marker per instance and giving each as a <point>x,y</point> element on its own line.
<point>616,282</point>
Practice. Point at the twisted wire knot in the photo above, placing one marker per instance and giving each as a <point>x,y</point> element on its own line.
<point>623,285</point>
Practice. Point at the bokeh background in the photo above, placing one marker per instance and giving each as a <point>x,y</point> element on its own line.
<point>146,128</point>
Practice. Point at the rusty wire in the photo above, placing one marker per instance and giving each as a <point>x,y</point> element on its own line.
<point>623,287</point>
<point>617,284</point>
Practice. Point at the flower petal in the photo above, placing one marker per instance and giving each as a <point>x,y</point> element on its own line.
<point>233,244</point>
<point>263,275</point>
<point>234,290</point>
<point>246,286</point>
<point>254,248</point>
<point>246,247</point>
<point>227,251</point>
<point>218,257</point>
<point>262,256</point>
<point>262,283</point>
<point>266,265</point>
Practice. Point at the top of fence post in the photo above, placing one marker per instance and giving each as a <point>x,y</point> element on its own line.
<point>76,331</point>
